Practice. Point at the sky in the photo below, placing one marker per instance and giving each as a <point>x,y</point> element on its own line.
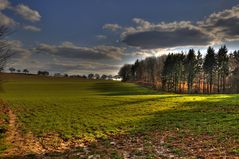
<point>99,36</point>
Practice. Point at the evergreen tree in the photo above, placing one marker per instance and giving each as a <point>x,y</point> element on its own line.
<point>199,71</point>
<point>209,67</point>
<point>126,72</point>
<point>222,68</point>
<point>190,67</point>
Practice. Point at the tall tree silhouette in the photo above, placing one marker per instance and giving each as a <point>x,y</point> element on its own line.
<point>126,72</point>
<point>199,71</point>
<point>235,71</point>
<point>190,67</point>
<point>222,68</point>
<point>209,67</point>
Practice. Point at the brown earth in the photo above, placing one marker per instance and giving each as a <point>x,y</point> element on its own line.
<point>20,144</point>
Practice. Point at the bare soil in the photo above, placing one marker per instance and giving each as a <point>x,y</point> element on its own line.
<point>20,144</point>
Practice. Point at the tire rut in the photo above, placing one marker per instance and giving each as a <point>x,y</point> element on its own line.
<point>20,144</point>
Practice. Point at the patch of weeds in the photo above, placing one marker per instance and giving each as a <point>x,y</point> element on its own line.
<point>150,156</point>
<point>105,142</point>
<point>31,156</point>
<point>115,155</point>
<point>3,129</point>
<point>177,151</point>
<point>65,136</point>
<point>221,138</point>
<point>3,147</point>
<point>170,139</point>
<point>138,152</point>
<point>235,151</point>
<point>79,149</point>
<point>166,145</point>
<point>148,145</point>
<point>147,138</point>
<point>4,117</point>
<point>93,145</point>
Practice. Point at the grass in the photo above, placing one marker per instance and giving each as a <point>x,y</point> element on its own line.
<point>78,108</point>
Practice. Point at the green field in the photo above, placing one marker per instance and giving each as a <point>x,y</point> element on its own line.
<point>93,109</point>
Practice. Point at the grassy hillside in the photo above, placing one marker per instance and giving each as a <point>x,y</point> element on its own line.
<point>90,109</point>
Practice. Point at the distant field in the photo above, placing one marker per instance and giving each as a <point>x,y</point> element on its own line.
<point>90,109</point>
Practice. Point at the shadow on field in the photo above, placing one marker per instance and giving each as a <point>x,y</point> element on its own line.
<point>210,116</point>
<point>119,88</point>
<point>1,86</point>
<point>55,155</point>
<point>69,154</point>
<point>142,101</point>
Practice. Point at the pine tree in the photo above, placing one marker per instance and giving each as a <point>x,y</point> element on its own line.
<point>222,68</point>
<point>199,71</point>
<point>209,67</point>
<point>190,67</point>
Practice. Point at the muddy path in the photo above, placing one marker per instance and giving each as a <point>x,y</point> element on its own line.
<point>19,144</point>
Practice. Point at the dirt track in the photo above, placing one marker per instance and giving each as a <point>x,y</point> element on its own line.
<point>20,144</point>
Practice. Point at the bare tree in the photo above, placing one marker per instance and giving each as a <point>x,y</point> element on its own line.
<point>5,53</point>
<point>4,50</point>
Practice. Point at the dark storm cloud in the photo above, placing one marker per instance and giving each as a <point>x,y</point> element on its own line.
<point>164,39</point>
<point>147,35</point>
<point>216,28</point>
<point>18,51</point>
<point>69,50</point>
<point>83,66</point>
<point>19,54</point>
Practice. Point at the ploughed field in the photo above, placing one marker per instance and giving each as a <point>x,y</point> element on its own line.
<point>63,113</point>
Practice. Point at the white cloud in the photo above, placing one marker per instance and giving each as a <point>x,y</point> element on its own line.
<point>28,13</point>
<point>6,21</point>
<point>112,27</point>
<point>22,10</point>
<point>32,28</point>
<point>4,4</point>
<point>19,52</point>
<point>101,37</point>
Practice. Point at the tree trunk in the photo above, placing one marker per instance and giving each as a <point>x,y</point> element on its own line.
<point>218,83</point>
<point>224,84</point>
<point>199,85</point>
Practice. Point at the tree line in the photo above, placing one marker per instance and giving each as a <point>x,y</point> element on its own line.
<point>191,72</point>
<point>46,73</point>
